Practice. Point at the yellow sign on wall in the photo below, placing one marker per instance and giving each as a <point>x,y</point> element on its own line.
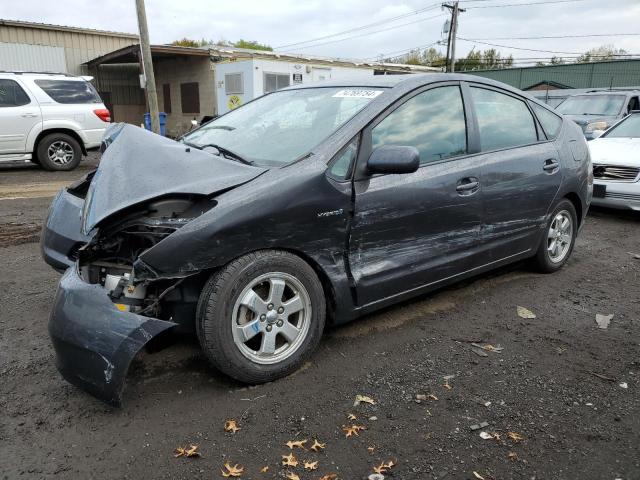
<point>234,101</point>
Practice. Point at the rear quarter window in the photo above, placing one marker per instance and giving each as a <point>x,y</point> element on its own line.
<point>550,122</point>
<point>69,91</point>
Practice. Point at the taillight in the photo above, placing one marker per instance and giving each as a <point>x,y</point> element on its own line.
<point>103,114</point>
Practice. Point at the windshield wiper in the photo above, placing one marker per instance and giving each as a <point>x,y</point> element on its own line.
<point>224,151</point>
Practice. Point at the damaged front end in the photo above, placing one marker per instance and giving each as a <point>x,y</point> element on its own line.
<point>109,304</point>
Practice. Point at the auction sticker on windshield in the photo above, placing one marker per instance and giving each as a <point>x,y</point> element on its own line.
<point>357,93</point>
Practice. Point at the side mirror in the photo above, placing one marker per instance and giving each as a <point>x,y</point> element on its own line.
<point>393,159</point>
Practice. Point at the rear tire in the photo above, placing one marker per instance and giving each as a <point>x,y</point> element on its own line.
<point>261,316</point>
<point>558,240</point>
<point>59,152</point>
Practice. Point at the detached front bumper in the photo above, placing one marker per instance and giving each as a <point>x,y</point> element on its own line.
<point>622,195</point>
<point>94,341</point>
<point>61,235</point>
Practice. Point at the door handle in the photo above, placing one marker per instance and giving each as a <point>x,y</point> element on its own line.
<point>550,165</point>
<point>29,115</point>
<point>467,186</point>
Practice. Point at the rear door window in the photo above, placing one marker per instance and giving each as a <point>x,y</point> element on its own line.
<point>504,121</point>
<point>69,91</point>
<point>12,94</point>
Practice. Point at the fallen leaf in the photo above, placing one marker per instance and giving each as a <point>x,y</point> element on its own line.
<point>447,385</point>
<point>512,456</point>
<point>383,467</point>
<point>371,449</point>
<point>289,460</point>
<point>232,470</point>
<point>352,430</point>
<point>231,426</point>
<point>516,437</point>
<point>296,444</point>
<point>363,399</point>
<point>603,320</point>
<point>351,416</point>
<point>310,465</point>
<point>264,469</point>
<point>478,476</point>
<point>330,476</point>
<point>432,396</point>
<point>190,452</point>
<point>525,313</point>
<point>317,446</point>
<point>292,476</point>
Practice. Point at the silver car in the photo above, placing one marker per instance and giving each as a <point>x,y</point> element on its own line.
<point>616,165</point>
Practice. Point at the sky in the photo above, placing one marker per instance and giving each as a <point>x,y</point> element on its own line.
<point>285,22</point>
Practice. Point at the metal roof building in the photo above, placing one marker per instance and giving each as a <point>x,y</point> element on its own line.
<point>605,74</point>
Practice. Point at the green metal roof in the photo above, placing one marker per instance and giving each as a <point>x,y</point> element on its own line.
<point>614,73</point>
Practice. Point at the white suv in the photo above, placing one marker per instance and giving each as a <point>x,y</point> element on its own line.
<point>49,118</point>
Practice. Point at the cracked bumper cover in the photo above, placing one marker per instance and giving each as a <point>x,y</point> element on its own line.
<point>93,340</point>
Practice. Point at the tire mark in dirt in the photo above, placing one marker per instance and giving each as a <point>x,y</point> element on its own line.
<point>31,190</point>
<point>18,233</point>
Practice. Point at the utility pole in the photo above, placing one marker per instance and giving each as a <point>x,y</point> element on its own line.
<point>147,67</point>
<point>453,31</point>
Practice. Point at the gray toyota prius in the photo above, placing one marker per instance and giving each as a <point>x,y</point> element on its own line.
<point>309,206</point>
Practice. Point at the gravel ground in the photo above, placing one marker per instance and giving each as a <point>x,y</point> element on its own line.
<point>556,383</point>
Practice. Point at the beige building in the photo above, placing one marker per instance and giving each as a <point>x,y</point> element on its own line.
<point>39,47</point>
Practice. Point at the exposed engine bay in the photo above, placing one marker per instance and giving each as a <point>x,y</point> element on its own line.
<point>108,260</point>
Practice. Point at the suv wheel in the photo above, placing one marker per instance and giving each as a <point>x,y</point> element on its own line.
<point>558,240</point>
<point>58,151</point>
<point>261,316</point>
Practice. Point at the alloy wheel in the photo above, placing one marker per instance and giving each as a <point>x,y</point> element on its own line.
<point>60,152</point>
<point>271,318</point>
<point>559,236</point>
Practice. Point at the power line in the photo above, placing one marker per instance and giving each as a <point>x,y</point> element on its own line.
<point>518,48</point>
<point>558,36</point>
<point>546,2</point>
<point>366,33</point>
<point>363,27</point>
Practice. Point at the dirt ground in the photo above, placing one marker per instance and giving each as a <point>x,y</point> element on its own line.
<point>556,383</point>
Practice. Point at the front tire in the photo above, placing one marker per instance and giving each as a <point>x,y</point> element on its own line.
<point>261,316</point>
<point>59,152</point>
<point>559,238</point>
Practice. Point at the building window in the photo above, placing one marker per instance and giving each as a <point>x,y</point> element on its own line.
<point>275,81</point>
<point>233,83</point>
<point>190,97</point>
<point>166,97</point>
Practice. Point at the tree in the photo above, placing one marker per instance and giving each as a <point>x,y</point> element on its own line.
<point>251,44</point>
<point>430,57</point>
<point>484,60</point>
<point>604,52</point>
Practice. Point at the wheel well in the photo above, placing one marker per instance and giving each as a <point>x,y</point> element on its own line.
<point>577,204</point>
<point>327,286</point>
<point>66,131</point>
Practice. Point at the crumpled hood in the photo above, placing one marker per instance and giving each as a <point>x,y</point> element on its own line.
<point>615,151</point>
<point>584,120</point>
<point>139,166</point>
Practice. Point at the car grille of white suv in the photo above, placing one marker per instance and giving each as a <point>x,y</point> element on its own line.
<point>613,172</point>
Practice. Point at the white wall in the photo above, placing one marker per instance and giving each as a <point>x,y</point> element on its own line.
<point>254,70</point>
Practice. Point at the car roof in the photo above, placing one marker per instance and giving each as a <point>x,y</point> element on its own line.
<point>57,75</point>
<point>605,92</point>
<point>409,82</point>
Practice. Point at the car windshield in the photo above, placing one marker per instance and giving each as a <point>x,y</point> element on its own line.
<point>280,127</point>
<point>592,105</point>
<point>627,128</point>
